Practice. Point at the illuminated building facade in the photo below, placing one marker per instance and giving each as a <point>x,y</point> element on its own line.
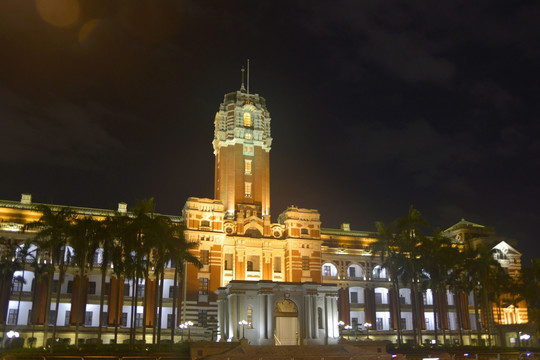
<point>289,282</point>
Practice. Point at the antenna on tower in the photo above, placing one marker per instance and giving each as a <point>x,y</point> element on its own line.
<point>248,76</point>
<point>242,87</point>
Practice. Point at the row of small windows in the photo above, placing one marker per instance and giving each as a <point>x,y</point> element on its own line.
<point>354,271</point>
<point>13,318</point>
<point>18,283</point>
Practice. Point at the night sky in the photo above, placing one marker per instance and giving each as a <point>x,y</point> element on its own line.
<point>375,105</point>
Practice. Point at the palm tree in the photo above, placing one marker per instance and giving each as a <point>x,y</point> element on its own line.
<point>409,238</point>
<point>531,289</point>
<point>53,235</point>
<point>180,256</point>
<point>105,242</point>
<point>85,232</point>
<point>437,258</point>
<point>8,267</point>
<point>387,247</point>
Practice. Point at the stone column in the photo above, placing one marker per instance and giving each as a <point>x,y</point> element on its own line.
<point>221,318</point>
<point>270,316</point>
<point>232,317</point>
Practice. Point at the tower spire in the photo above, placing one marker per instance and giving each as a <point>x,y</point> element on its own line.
<point>242,87</point>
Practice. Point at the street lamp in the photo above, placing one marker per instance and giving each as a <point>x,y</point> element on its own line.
<point>182,327</point>
<point>189,324</point>
<point>348,327</point>
<point>340,325</point>
<point>367,326</point>
<point>243,323</point>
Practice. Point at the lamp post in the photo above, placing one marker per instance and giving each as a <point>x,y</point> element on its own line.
<point>367,326</point>
<point>189,324</point>
<point>182,327</point>
<point>243,323</point>
<point>12,334</point>
<point>348,327</point>
<point>340,325</point>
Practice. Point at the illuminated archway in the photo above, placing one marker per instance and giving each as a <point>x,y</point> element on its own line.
<point>286,318</point>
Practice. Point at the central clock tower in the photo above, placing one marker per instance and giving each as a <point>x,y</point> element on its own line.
<point>242,145</point>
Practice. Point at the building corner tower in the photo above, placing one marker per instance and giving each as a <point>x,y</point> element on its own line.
<point>242,144</point>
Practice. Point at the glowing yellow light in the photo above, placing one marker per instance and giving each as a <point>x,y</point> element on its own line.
<point>61,13</point>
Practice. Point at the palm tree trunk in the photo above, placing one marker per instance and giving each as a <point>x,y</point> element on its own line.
<point>50,277</point>
<point>175,291</point>
<point>160,295</point>
<point>102,300</point>
<point>59,287</point>
<point>117,307</point>
<point>459,315</point>
<point>436,308</point>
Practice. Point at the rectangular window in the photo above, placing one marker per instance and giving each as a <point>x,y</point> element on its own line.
<point>277,264</point>
<point>70,286</point>
<point>107,288</point>
<point>253,263</point>
<point>403,324</point>
<point>123,320</point>
<point>67,319</point>
<point>12,317</point>
<point>203,318</point>
<point>126,290</point>
<point>378,298</point>
<point>55,286</point>
<point>380,324</point>
<point>96,258</point>
<point>88,318</point>
<point>352,272</point>
<point>228,261</point>
<point>327,270</point>
<point>305,262</point>
<point>402,300</point>
<point>203,286</point>
<point>169,321</point>
<point>91,288</point>
<point>320,318</point>
<point>247,167</point>
<point>205,254</point>
<point>17,283</point>
<point>354,322</point>
<point>171,291</point>
<point>138,320</point>
<point>250,317</point>
<point>354,298</point>
<point>140,290</point>
<point>104,316</point>
<point>52,316</point>
<point>247,189</point>
<point>29,320</point>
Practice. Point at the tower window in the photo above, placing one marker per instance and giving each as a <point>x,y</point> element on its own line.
<point>305,262</point>
<point>203,286</point>
<point>205,254</point>
<point>247,119</point>
<point>247,189</point>
<point>247,167</point>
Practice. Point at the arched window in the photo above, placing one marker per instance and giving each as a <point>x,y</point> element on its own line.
<point>329,269</point>
<point>355,271</point>
<point>379,272</point>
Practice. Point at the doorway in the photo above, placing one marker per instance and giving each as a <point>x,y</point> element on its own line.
<point>286,320</point>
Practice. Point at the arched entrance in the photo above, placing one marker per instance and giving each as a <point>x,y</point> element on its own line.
<point>286,318</point>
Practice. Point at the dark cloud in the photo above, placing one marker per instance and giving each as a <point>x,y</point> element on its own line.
<point>55,132</point>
